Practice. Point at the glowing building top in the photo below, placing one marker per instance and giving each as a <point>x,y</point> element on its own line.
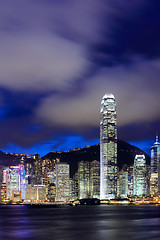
<point>108,95</point>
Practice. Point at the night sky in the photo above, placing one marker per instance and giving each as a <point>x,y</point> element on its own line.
<point>57,60</point>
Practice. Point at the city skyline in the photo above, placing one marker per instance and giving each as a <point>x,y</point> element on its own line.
<point>48,180</point>
<point>58,58</point>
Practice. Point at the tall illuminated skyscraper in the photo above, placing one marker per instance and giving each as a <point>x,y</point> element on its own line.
<point>155,168</point>
<point>108,147</point>
<point>155,156</point>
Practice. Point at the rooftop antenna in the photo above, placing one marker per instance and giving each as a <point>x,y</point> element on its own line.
<point>156,137</point>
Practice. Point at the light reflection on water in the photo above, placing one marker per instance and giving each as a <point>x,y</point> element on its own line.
<point>82,222</point>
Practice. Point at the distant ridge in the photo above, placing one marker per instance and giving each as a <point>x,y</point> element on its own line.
<point>126,154</point>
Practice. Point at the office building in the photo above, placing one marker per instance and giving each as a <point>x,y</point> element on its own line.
<point>148,178</point>
<point>84,188</point>
<point>155,167</point>
<point>74,186</point>
<point>51,195</point>
<point>38,168</point>
<point>108,148</point>
<point>62,182</point>
<point>155,156</point>
<point>22,181</point>
<point>35,193</point>
<point>28,168</point>
<point>1,173</point>
<point>3,193</point>
<point>47,166</point>
<point>95,179</point>
<point>130,181</point>
<point>154,184</point>
<point>139,175</point>
<point>122,184</point>
<point>12,178</point>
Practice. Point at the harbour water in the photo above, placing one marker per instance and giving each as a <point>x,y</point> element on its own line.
<point>103,222</point>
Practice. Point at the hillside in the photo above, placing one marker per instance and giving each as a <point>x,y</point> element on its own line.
<point>126,154</point>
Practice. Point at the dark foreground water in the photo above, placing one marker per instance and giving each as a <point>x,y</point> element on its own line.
<point>81,222</point>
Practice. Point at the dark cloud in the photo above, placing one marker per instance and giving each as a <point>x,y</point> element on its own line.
<point>139,131</point>
<point>134,33</point>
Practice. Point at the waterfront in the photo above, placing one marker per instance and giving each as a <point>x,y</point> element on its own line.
<point>81,222</point>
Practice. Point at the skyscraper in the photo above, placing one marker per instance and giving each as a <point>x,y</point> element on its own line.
<point>95,178</point>
<point>62,182</point>
<point>75,186</point>
<point>22,180</point>
<point>38,168</point>
<point>155,156</point>
<point>155,168</point>
<point>13,181</point>
<point>84,188</point>
<point>130,180</point>
<point>139,175</point>
<point>108,147</point>
<point>122,184</point>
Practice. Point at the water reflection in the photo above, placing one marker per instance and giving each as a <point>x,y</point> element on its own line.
<point>82,222</point>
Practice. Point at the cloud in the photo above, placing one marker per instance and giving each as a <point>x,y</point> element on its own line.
<point>135,88</point>
<point>79,20</point>
<point>43,44</point>
<point>58,58</point>
<point>134,31</point>
<point>40,63</point>
<point>48,45</point>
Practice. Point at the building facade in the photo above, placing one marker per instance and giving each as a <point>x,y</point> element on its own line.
<point>51,195</point>
<point>154,184</point>
<point>22,181</point>
<point>3,193</point>
<point>108,147</point>
<point>130,180</point>
<point>35,193</point>
<point>84,186</point>
<point>122,184</point>
<point>75,186</point>
<point>62,182</point>
<point>12,180</point>
<point>139,175</point>
<point>95,179</point>
<point>38,168</point>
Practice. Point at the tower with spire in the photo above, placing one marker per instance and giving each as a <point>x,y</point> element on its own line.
<point>155,168</point>
<point>155,156</point>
